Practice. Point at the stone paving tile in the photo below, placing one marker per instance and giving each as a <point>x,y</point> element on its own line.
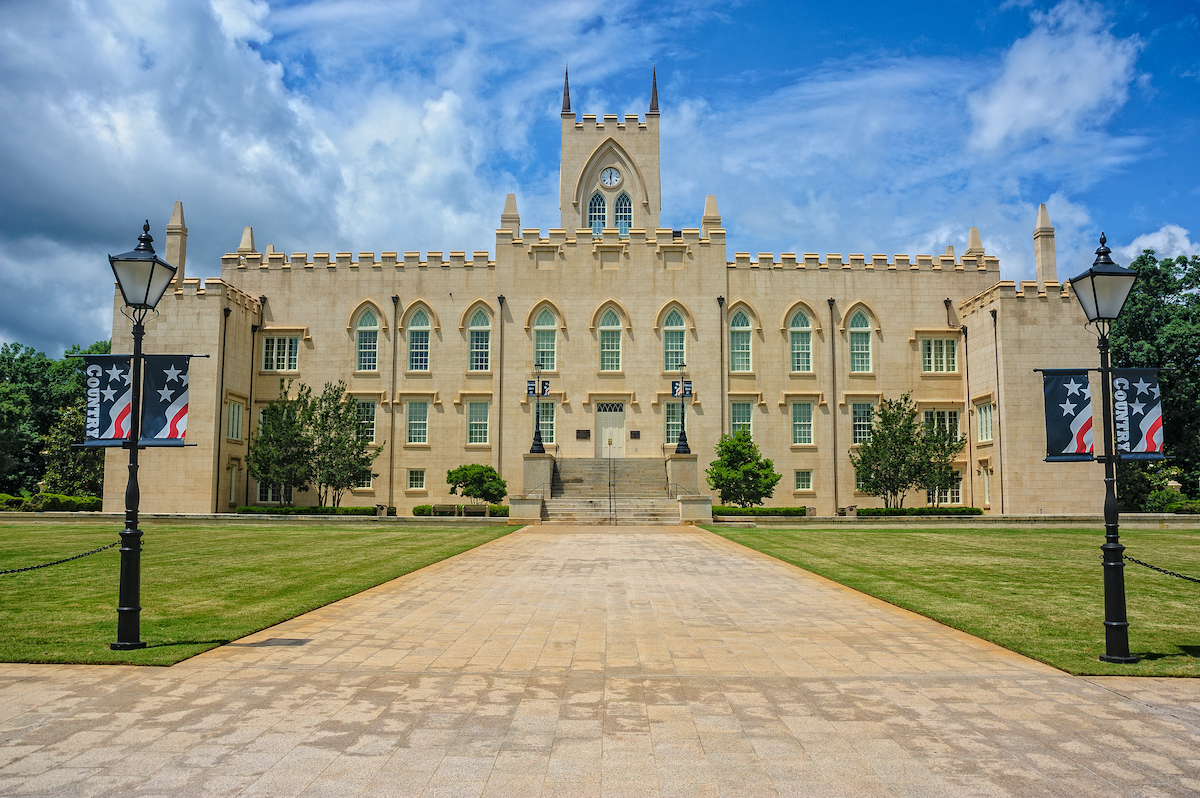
<point>598,662</point>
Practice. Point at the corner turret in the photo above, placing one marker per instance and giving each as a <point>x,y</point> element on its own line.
<point>1044,258</point>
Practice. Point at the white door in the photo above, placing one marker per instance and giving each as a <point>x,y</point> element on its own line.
<point>610,429</point>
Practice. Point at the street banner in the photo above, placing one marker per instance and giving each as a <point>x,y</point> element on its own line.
<point>545,387</point>
<point>164,400</point>
<point>675,389</point>
<point>1068,414</point>
<point>530,388</point>
<point>109,395</point>
<point>1137,414</point>
<point>681,388</point>
<point>687,388</point>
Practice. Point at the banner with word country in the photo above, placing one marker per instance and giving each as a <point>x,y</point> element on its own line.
<point>1137,414</point>
<point>164,400</point>
<point>1068,414</point>
<point>108,383</point>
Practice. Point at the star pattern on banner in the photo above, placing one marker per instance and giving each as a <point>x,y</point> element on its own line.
<point>1137,408</point>
<point>114,374</point>
<point>1142,387</point>
<point>1072,387</point>
<point>109,394</point>
<point>166,394</point>
<point>1068,407</point>
<point>172,374</point>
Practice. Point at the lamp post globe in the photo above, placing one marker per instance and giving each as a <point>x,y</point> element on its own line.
<point>681,445</point>
<point>1102,291</point>
<point>143,279</point>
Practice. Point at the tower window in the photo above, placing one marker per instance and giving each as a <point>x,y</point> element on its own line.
<point>624,213</point>
<point>596,214</point>
<point>739,342</point>
<point>673,341</point>
<point>481,342</point>
<point>368,342</point>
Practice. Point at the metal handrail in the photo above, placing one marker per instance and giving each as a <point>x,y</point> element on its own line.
<point>674,494</point>
<point>549,485</point>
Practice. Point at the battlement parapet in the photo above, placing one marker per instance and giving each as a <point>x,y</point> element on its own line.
<point>215,287</point>
<point>856,261</point>
<point>1008,289</point>
<point>480,259</point>
<point>607,122</point>
<point>609,236</point>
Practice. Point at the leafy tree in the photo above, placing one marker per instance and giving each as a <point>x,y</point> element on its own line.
<point>892,462</point>
<point>1160,328</point>
<point>281,451</point>
<point>71,472</point>
<point>342,458</point>
<point>939,448</point>
<point>740,473</point>
<point>478,482</point>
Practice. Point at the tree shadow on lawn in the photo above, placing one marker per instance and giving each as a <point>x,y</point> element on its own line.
<point>1192,652</point>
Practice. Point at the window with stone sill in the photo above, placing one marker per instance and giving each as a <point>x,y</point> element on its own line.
<point>418,342</point>
<point>860,343</point>
<point>739,342</point>
<point>480,332</point>
<point>367,331</point>
<point>800,337</point>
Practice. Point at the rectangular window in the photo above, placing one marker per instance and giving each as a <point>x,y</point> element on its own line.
<point>672,349</point>
<point>802,422</point>
<point>739,417</point>
<point>280,353</point>
<point>366,421</point>
<point>418,422</point>
<point>939,355</point>
<point>673,416</point>
<point>860,422</point>
<point>987,485</point>
<point>271,495</point>
<point>233,480</point>
<point>546,421</point>
<point>859,483</point>
<point>365,484</point>
<point>983,413</point>
<point>952,496</point>
<point>481,341</point>
<point>235,420</point>
<point>368,350</point>
<point>544,348</point>
<point>418,350</point>
<point>477,422</point>
<point>801,351</point>
<point>804,480</point>
<point>860,351</point>
<point>942,419</point>
<point>739,350</point>
<point>610,350</point>
<point>416,479</point>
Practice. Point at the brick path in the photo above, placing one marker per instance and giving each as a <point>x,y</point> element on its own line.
<point>593,662</point>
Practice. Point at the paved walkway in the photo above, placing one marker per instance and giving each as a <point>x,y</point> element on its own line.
<point>592,662</point>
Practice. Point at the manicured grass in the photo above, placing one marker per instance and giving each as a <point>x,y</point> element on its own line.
<point>202,585</point>
<point>1035,591</point>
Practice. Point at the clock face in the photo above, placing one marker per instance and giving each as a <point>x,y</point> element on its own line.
<point>610,177</point>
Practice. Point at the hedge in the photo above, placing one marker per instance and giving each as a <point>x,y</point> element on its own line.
<point>494,510</point>
<point>727,510</point>
<point>51,502</point>
<point>498,510</point>
<point>1185,508</point>
<point>258,510</point>
<point>423,509</point>
<point>870,511</point>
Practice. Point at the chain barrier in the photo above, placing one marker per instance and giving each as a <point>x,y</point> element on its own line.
<point>59,562</point>
<point>1160,570</point>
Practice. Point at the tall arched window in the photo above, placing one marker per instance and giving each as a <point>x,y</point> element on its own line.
<point>860,342</point>
<point>739,342</point>
<point>800,334</point>
<point>624,213</point>
<point>610,341</point>
<point>418,341</point>
<point>596,214</point>
<point>545,340</point>
<point>480,330</point>
<point>673,341</point>
<point>368,341</point>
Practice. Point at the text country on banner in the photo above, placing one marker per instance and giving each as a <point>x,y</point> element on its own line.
<point>1137,414</point>
<point>1068,414</point>
<point>164,400</point>
<point>107,380</point>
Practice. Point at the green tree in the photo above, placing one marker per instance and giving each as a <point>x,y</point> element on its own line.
<point>478,482</point>
<point>280,454</point>
<point>342,457</point>
<point>740,474</point>
<point>71,472</point>
<point>939,448</point>
<point>891,463</point>
<point>1160,328</point>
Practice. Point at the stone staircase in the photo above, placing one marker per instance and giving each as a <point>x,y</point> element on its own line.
<point>579,492</point>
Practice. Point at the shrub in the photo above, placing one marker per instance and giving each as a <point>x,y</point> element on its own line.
<point>55,503</point>
<point>729,510</point>
<point>1186,508</point>
<point>1161,501</point>
<point>477,481</point>
<point>423,509</point>
<point>498,511</point>
<point>892,511</point>
<point>256,510</point>
<point>8,502</point>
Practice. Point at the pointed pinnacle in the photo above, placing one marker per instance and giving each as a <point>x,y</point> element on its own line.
<point>566,109</point>
<point>654,90</point>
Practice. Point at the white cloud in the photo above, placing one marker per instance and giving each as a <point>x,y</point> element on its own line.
<point>1066,77</point>
<point>1168,241</point>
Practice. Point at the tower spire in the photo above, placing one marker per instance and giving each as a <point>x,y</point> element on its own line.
<point>654,90</point>
<point>566,109</point>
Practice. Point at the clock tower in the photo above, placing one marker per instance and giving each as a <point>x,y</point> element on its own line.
<point>609,172</point>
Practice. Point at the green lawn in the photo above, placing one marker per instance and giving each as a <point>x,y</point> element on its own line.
<point>1035,591</point>
<point>202,584</point>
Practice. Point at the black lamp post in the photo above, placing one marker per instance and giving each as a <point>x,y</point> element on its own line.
<point>681,446</point>
<point>537,447</point>
<point>1102,291</point>
<point>143,279</point>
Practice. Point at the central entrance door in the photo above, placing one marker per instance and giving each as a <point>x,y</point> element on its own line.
<point>610,429</point>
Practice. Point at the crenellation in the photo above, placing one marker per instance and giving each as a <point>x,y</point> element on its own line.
<point>924,262</point>
<point>766,260</point>
<point>458,259</point>
<point>741,260</point>
<point>881,262</point>
<point>275,260</point>
<point>412,260</point>
<point>664,235</point>
<point>321,260</point>
<point>231,260</point>
<point>434,258</point>
<point>192,286</point>
<point>531,232</point>
<point>254,260</point>
<point>387,260</point>
<point>857,260</point>
<point>787,260</point>
<point>342,259</point>
<point>300,260</point>
<point>834,261</point>
<point>812,260</point>
<point>634,121</point>
<point>481,259</point>
<point>367,260</point>
<point>899,262</point>
<point>557,236</point>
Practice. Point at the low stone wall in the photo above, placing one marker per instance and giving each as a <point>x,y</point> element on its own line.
<point>118,519</point>
<point>1145,521</point>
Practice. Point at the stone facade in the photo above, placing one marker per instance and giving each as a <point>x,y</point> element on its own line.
<point>622,297</point>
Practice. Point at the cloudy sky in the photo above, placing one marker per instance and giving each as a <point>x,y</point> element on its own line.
<point>374,125</point>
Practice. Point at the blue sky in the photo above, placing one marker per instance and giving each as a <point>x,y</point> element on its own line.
<point>369,125</point>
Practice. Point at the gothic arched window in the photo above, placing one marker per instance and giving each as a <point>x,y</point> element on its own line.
<point>624,213</point>
<point>596,214</point>
<point>860,342</point>
<point>800,335</point>
<point>545,340</point>
<point>673,341</point>
<point>610,341</point>
<point>368,341</point>
<point>739,342</point>
<point>418,341</point>
<point>481,341</point>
